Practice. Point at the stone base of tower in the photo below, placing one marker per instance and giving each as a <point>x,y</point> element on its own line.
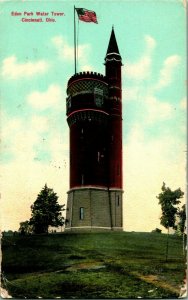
<point>94,209</point>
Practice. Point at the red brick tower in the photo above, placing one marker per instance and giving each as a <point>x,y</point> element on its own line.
<point>94,116</point>
<point>113,73</point>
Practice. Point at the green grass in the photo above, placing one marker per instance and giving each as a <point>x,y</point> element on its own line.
<point>93,265</point>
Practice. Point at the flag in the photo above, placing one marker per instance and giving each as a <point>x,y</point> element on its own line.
<point>86,15</point>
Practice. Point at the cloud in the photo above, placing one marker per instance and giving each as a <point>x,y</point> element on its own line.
<point>39,123</point>
<point>11,69</point>
<point>147,163</point>
<point>131,93</point>
<point>44,100</point>
<point>150,44</point>
<point>23,142</point>
<point>13,125</point>
<point>183,104</point>
<point>27,171</point>
<point>66,52</point>
<point>87,68</point>
<point>167,71</point>
<point>30,139</point>
<point>157,110</point>
<point>63,49</point>
<point>15,137</point>
<point>141,69</point>
<point>20,184</point>
<point>151,108</point>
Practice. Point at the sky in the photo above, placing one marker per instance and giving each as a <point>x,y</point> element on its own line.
<point>36,61</point>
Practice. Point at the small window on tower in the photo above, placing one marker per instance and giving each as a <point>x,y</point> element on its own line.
<point>118,200</point>
<point>98,156</point>
<point>81,213</point>
<point>82,134</point>
<point>82,179</point>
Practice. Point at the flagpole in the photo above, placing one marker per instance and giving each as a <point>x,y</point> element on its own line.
<point>74,42</point>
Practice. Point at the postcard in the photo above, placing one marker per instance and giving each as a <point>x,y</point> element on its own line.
<point>93,148</point>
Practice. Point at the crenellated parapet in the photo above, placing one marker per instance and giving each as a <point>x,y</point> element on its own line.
<point>89,75</point>
<point>86,90</point>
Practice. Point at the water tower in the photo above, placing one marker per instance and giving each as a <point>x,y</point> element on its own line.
<point>94,116</point>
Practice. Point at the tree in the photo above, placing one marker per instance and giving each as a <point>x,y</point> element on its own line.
<point>182,218</point>
<point>46,211</point>
<point>169,200</point>
<point>25,228</point>
<point>181,224</point>
<point>156,230</point>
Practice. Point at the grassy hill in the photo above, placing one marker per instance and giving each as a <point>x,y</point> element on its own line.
<point>93,265</point>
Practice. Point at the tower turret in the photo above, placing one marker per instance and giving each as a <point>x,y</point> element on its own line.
<point>113,63</point>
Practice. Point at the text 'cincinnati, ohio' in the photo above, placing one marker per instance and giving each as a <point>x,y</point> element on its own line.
<point>37,20</point>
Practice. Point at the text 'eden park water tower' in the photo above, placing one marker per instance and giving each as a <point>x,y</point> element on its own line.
<point>94,116</point>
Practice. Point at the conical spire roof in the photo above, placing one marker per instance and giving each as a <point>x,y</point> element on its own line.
<point>112,46</point>
<point>113,50</point>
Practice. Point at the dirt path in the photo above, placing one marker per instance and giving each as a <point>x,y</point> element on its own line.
<point>154,279</point>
